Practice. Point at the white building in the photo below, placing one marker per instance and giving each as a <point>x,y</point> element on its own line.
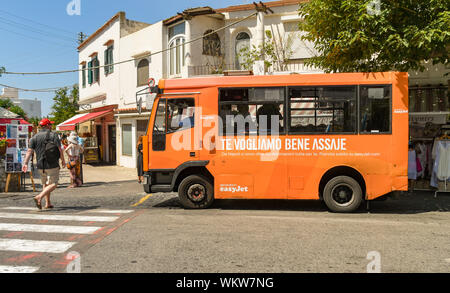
<point>31,107</point>
<point>117,88</point>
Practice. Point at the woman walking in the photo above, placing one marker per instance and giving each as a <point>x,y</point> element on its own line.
<point>73,151</point>
<point>140,162</point>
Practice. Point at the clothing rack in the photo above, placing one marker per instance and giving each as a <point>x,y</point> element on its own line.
<point>446,179</point>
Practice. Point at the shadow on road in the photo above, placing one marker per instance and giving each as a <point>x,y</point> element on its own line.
<point>416,203</point>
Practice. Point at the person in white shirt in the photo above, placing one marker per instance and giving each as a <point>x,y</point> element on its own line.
<point>73,151</point>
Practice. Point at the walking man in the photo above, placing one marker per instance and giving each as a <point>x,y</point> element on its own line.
<point>48,150</point>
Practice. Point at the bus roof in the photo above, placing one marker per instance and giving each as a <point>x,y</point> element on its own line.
<point>283,80</point>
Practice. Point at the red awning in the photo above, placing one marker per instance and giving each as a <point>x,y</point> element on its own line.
<point>8,121</point>
<point>71,123</point>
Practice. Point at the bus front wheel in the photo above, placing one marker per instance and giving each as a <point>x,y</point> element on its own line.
<point>196,192</point>
<point>342,194</point>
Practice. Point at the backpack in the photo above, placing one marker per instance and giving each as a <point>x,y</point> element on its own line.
<point>51,150</point>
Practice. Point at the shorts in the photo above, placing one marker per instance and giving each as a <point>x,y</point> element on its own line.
<point>50,176</point>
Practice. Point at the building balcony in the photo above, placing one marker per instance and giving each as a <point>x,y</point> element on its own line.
<point>290,66</point>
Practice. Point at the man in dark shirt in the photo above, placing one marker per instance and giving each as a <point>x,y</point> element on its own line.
<point>48,169</point>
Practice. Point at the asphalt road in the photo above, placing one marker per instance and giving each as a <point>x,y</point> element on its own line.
<point>408,233</point>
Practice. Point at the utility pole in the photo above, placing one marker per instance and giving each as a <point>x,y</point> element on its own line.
<point>81,38</point>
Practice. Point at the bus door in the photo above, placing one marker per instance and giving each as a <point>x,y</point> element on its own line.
<point>173,139</point>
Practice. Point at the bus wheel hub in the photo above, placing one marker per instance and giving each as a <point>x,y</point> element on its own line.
<point>196,192</point>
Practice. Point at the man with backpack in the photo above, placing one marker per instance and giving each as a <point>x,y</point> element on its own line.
<point>48,150</point>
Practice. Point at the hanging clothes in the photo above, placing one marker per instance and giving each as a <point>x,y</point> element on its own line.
<point>421,156</point>
<point>441,167</point>
<point>412,165</point>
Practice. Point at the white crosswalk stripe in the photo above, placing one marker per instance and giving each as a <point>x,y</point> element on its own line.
<point>110,211</point>
<point>48,228</point>
<point>17,269</point>
<point>14,214</point>
<point>35,245</point>
<point>58,217</point>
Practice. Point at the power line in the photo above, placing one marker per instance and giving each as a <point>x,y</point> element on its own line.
<point>49,90</point>
<point>30,37</point>
<point>36,30</point>
<point>132,60</point>
<point>35,22</point>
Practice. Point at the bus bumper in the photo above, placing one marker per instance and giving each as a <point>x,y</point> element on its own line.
<point>150,186</point>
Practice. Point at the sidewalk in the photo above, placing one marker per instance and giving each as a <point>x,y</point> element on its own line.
<point>99,174</point>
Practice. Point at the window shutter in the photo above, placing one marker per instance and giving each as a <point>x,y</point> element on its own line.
<point>111,59</point>
<point>106,61</point>
<point>90,72</point>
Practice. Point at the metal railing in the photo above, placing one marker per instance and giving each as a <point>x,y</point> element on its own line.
<point>296,66</point>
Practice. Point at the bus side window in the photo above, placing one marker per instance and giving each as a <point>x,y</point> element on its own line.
<point>252,111</point>
<point>375,109</point>
<point>328,109</point>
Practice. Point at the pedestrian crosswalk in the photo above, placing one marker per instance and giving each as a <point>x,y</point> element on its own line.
<point>27,234</point>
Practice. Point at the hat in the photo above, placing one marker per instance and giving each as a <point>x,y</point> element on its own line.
<point>45,122</point>
<point>73,139</point>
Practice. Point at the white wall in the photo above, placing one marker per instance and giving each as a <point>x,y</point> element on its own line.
<point>147,39</point>
<point>107,84</point>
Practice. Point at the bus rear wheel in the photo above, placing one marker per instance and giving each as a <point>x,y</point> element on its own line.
<point>342,194</point>
<point>196,192</point>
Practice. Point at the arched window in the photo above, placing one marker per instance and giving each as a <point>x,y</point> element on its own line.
<point>142,72</point>
<point>242,41</point>
<point>211,43</point>
<point>176,46</point>
<point>176,55</point>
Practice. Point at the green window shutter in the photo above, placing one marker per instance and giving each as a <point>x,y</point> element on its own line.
<point>96,64</point>
<point>83,75</point>
<point>106,62</point>
<point>111,59</point>
<point>90,72</point>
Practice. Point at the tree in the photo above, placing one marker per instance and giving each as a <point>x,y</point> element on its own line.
<point>376,35</point>
<point>274,52</point>
<point>2,70</point>
<point>65,104</point>
<point>9,105</point>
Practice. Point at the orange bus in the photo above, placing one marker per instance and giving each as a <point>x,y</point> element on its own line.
<point>341,138</point>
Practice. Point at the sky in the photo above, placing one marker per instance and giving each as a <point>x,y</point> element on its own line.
<point>41,36</point>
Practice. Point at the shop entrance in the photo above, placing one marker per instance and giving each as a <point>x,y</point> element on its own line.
<point>99,133</point>
<point>112,143</point>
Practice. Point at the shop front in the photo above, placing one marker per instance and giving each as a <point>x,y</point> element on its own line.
<point>131,126</point>
<point>96,127</point>
<point>429,130</point>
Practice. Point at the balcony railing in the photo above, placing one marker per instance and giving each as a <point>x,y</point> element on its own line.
<point>290,66</point>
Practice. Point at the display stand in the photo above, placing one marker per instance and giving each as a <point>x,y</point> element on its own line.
<point>19,181</point>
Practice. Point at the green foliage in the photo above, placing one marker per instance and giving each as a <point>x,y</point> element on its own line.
<point>65,104</point>
<point>35,120</point>
<point>354,35</point>
<point>2,70</point>
<point>274,52</point>
<point>9,105</point>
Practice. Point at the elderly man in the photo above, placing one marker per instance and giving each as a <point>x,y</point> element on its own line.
<point>48,150</point>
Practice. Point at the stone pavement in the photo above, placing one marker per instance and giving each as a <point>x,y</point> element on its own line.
<point>92,175</point>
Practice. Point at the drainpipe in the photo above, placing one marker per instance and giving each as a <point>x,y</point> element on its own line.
<point>187,48</point>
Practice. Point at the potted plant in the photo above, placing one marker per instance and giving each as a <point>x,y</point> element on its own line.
<point>3,143</point>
